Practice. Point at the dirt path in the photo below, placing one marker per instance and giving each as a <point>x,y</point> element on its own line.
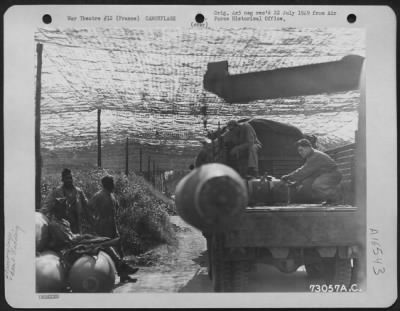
<point>176,265</point>
<point>183,268</point>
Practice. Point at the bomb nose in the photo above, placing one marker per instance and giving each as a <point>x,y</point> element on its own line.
<point>211,196</point>
<point>222,200</point>
<point>220,197</point>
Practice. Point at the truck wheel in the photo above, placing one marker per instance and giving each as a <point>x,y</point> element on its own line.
<point>220,270</point>
<point>355,272</point>
<point>239,276</point>
<point>338,271</point>
<point>315,271</point>
<point>209,264</point>
<point>342,273</point>
<point>209,267</point>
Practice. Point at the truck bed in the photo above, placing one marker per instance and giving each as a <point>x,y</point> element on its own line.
<point>297,225</point>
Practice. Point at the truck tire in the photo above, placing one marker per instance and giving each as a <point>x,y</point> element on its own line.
<point>239,276</point>
<point>209,267</point>
<point>357,273</point>
<point>209,258</point>
<point>336,271</point>
<point>354,272</point>
<point>315,271</point>
<point>342,271</point>
<point>220,270</point>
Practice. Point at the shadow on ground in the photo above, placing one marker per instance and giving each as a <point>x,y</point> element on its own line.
<point>264,279</point>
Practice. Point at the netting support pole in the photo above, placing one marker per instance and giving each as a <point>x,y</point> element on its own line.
<point>154,173</point>
<point>127,157</point>
<point>140,159</point>
<point>148,168</point>
<point>39,51</point>
<point>98,137</point>
<point>157,179</point>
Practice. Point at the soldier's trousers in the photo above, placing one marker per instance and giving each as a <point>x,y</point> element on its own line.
<point>321,188</point>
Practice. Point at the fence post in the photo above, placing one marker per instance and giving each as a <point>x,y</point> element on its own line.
<point>148,169</point>
<point>157,178</point>
<point>162,181</point>
<point>127,157</point>
<point>154,173</point>
<point>140,160</point>
<point>39,50</point>
<point>99,137</point>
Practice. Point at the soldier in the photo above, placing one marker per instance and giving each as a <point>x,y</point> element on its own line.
<point>75,201</point>
<point>318,178</point>
<point>103,206</point>
<point>63,240</point>
<point>205,154</point>
<point>245,147</point>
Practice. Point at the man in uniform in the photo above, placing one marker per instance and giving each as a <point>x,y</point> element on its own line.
<point>205,155</point>
<point>245,146</point>
<point>75,201</point>
<point>103,205</point>
<point>72,246</point>
<point>318,178</point>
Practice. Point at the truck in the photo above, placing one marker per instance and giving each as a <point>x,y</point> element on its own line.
<point>250,221</point>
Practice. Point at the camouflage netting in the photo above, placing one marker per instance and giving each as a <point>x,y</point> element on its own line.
<point>149,83</point>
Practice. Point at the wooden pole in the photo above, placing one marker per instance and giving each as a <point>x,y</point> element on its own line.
<point>99,137</point>
<point>140,159</point>
<point>157,177</point>
<point>148,168</point>
<point>165,184</point>
<point>160,179</point>
<point>127,157</point>
<point>154,173</point>
<point>39,51</point>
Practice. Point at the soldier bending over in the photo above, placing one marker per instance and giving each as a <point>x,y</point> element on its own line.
<point>318,178</point>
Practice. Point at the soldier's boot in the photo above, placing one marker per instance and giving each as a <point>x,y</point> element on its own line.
<point>124,269</point>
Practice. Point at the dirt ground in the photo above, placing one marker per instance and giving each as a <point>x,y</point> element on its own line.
<point>175,265</point>
<point>183,268</point>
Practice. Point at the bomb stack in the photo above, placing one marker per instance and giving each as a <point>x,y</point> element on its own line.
<point>88,273</point>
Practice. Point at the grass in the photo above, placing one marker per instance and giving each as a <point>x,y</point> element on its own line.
<point>143,216</point>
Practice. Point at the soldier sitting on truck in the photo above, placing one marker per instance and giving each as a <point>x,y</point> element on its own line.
<point>318,179</point>
<point>244,147</point>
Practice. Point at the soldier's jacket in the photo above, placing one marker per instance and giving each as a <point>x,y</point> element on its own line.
<point>316,164</point>
<point>248,141</point>
<point>248,135</point>
<point>74,209</point>
<point>203,157</point>
<point>103,206</point>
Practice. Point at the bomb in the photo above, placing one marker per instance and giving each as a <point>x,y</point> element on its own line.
<point>211,197</point>
<point>267,191</point>
<point>50,273</point>
<point>42,231</point>
<point>90,274</point>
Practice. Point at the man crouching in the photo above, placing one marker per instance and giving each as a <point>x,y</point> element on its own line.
<point>318,179</point>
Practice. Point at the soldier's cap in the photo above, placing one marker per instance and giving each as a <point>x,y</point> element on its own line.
<point>107,180</point>
<point>303,143</point>
<point>232,123</point>
<point>65,172</point>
